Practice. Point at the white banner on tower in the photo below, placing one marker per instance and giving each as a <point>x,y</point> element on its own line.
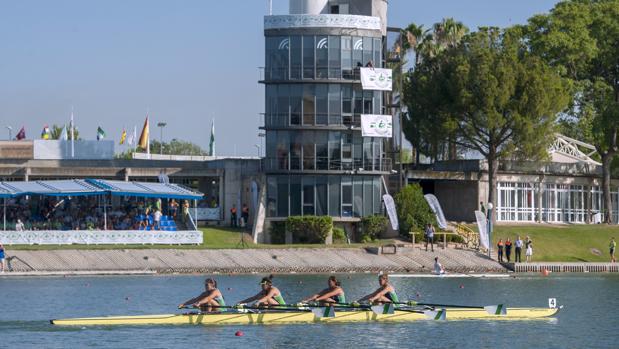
<point>376,79</point>
<point>376,125</point>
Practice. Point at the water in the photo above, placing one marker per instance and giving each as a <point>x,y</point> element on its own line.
<point>589,319</point>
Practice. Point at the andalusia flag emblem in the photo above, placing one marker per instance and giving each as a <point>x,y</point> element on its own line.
<point>100,133</point>
<point>211,144</point>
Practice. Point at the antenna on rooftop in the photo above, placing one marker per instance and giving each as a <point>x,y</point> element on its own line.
<point>270,2</point>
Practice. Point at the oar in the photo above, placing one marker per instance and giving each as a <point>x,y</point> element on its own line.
<point>499,309</point>
<point>320,312</point>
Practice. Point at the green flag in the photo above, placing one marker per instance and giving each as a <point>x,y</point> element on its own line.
<point>211,144</point>
<point>100,133</point>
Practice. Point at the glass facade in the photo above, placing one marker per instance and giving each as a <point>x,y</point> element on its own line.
<point>320,56</point>
<point>317,162</point>
<point>340,196</point>
<point>559,202</point>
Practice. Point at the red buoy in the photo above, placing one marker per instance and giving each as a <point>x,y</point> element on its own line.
<point>239,333</point>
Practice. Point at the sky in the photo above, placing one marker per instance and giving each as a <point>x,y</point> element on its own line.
<point>185,63</point>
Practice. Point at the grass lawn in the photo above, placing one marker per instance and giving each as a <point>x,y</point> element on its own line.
<point>561,243</point>
<point>214,238</point>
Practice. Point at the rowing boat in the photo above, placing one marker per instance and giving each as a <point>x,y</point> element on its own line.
<point>304,317</point>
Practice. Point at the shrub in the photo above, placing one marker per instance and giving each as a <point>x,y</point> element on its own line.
<point>372,227</point>
<point>413,210</point>
<point>278,232</point>
<point>309,229</point>
<point>339,235</point>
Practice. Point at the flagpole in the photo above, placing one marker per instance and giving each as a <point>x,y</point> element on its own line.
<point>72,135</point>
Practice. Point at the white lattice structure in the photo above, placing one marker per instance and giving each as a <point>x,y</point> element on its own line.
<point>565,149</point>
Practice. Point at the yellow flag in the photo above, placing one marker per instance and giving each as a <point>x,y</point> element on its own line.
<point>143,141</point>
<point>123,136</point>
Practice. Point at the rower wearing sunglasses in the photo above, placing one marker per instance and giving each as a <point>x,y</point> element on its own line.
<point>268,295</point>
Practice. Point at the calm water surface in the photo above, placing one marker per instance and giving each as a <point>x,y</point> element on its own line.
<point>590,318</point>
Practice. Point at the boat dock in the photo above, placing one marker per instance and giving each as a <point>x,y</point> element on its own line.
<point>291,260</point>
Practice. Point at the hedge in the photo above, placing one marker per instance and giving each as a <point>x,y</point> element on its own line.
<point>309,229</point>
<point>372,227</point>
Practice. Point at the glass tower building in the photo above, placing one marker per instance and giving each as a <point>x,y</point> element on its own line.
<point>317,162</point>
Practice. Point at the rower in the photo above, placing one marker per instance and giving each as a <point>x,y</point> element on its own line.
<point>332,294</point>
<point>384,294</point>
<point>211,297</point>
<point>268,295</point>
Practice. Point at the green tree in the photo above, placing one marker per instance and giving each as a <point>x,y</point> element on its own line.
<point>413,209</point>
<point>581,39</point>
<point>425,127</point>
<point>56,132</point>
<point>176,147</point>
<point>499,99</point>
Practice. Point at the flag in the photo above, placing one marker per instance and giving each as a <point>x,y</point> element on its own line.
<point>63,134</point>
<point>211,144</point>
<point>46,133</point>
<point>100,133</point>
<point>132,136</point>
<point>144,141</point>
<point>123,136</point>
<point>21,134</point>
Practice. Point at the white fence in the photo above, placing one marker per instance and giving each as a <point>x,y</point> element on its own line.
<point>99,237</point>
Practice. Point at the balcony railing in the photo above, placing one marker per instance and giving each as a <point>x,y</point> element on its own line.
<point>298,74</point>
<point>313,164</point>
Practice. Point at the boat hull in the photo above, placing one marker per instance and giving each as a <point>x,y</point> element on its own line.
<point>301,317</point>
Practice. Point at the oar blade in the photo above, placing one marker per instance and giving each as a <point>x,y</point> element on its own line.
<point>325,312</point>
<point>438,315</point>
<point>383,309</point>
<point>499,309</point>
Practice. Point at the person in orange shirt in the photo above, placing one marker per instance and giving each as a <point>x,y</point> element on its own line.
<point>508,249</point>
<point>499,248</point>
<point>233,221</point>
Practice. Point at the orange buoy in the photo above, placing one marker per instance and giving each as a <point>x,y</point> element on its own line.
<point>239,333</point>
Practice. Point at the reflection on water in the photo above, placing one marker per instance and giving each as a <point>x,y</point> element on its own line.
<point>26,305</point>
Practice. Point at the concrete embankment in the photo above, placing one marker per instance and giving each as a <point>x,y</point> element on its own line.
<point>298,260</point>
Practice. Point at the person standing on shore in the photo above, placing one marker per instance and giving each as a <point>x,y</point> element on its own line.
<point>499,249</point>
<point>429,233</point>
<point>518,245</point>
<point>2,258</point>
<point>612,246</point>
<point>508,249</point>
<point>529,251</point>
<point>233,220</point>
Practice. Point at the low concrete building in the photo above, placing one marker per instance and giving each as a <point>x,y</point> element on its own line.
<point>226,181</point>
<point>566,189</point>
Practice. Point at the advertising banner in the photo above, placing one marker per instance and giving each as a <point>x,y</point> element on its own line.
<point>376,79</point>
<point>376,126</point>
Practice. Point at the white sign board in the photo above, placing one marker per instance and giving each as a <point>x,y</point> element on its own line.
<point>393,215</point>
<point>376,79</point>
<point>208,214</point>
<point>376,125</point>
<point>482,226</point>
<point>92,237</point>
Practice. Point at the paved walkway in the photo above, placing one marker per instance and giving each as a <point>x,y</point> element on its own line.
<point>298,260</point>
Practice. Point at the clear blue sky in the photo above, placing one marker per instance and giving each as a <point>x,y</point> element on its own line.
<point>185,61</point>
